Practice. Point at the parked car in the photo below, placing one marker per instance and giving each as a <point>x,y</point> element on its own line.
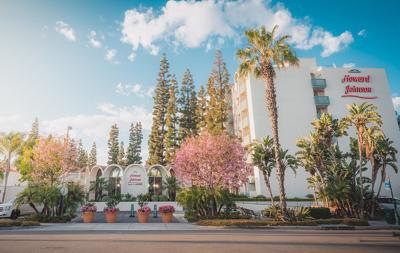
<point>10,210</point>
<point>388,202</point>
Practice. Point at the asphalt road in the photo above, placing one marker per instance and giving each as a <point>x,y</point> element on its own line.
<point>249,241</point>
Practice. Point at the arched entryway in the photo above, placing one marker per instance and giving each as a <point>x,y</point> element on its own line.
<point>155,181</point>
<point>115,179</point>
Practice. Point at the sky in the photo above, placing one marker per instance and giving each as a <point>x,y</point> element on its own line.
<point>89,64</point>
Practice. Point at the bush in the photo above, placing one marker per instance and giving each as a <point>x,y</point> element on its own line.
<point>257,223</point>
<point>49,219</point>
<point>191,216</point>
<point>159,198</point>
<point>320,213</point>
<point>30,223</point>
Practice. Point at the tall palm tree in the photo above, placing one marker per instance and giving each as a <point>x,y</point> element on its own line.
<point>360,117</point>
<point>10,146</point>
<point>266,49</point>
<point>371,137</point>
<point>387,155</point>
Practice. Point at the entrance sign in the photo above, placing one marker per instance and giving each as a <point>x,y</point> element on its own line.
<point>135,180</point>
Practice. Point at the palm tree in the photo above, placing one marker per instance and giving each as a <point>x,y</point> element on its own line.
<point>10,145</point>
<point>371,137</point>
<point>360,117</point>
<point>99,186</point>
<point>172,185</point>
<point>387,154</point>
<point>262,157</point>
<point>265,50</point>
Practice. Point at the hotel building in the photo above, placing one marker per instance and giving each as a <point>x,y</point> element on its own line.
<point>303,94</point>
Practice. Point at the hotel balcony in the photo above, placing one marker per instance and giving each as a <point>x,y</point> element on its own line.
<point>318,83</point>
<point>321,101</point>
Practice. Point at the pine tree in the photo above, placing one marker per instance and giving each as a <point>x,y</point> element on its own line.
<point>211,117</point>
<point>82,156</point>
<point>92,160</point>
<point>121,155</point>
<point>220,77</point>
<point>34,134</point>
<point>171,136</point>
<point>113,143</point>
<point>138,143</point>
<point>130,153</point>
<point>201,109</point>
<point>156,143</point>
<point>187,107</point>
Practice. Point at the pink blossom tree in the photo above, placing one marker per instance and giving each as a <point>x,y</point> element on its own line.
<point>212,161</point>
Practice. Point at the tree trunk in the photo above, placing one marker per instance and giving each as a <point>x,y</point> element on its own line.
<point>6,177</point>
<point>270,95</point>
<point>268,184</point>
<point>383,176</point>
<point>360,141</point>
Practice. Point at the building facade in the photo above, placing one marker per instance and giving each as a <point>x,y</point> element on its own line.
<point>303,94</point>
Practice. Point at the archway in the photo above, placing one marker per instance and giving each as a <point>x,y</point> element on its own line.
<point>115,181</point>
<point>155,181</point>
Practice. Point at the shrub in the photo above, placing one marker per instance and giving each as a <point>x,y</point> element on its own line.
<point>49,219</point>
<point>30,223</point>
<point>320,213</point>
<point>9,223</point>
<point>191,216</point>
<point>128,197</point>
<point>255,223</point>
<point>299,213</point>
<point>143,199</point>
<point>271,211</point>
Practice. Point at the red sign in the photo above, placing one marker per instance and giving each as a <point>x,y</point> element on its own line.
<point>357,91</point>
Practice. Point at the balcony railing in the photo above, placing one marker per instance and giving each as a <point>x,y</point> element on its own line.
<point>321,101</point>
<point>318,83</point>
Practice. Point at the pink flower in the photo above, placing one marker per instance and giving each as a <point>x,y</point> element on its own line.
<point>110,209</point>
<point>166,209</point>
<point>89,207</point>
<point>144,210</point>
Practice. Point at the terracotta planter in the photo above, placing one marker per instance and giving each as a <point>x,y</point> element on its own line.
<point>142,217</point>
<point>167,217</point>
<point>111,217</point>
<point>88,217</point>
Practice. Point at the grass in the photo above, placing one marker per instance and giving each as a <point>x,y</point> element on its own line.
<point>17,223</point>
<point>256,223</point>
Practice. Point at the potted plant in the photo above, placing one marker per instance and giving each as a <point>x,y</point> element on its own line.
<point>88,211</point>
<point>166,213</point>
<point>110,211</point>
<point>144,211</point>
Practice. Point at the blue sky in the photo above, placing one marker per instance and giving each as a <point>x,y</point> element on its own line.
<point>90,63</point>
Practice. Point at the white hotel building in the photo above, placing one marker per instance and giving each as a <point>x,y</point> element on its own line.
<point>302,94</point>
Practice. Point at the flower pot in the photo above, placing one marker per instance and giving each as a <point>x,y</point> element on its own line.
<point>166,217</point>
<point>88,217</point>
<point>111,217</point>
<point>142,217</point>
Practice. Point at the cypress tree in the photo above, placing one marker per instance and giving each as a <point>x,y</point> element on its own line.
<point>187,107</point>
<point>137,154</point>
<point>220,76</point>
<point>82,158</point>
<point>156,143</point>
<point>211,116</point>
<point>130,153</point>
<point>92,160</point>
<point>201,109</point>
<point>171,136</point>
<point>121,155</point>
<point>113,149</point>
<point>34,134</point>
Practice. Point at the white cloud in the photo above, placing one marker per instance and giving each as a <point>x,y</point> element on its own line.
<point>93,41</point>
<point>64,29</point>
<point>111,55</point>
<point>349,65</point>
<point>194,24</point>
<point>132,56</point>
<point>396,103</point>
<point>362,33</point>
<point>133,89</point>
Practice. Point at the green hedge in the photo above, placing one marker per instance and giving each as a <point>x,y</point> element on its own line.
<point>255,223</point>
<point>320,213</point>
<point>49,219</point>
<point>263,198</point>
<point>18,223</point>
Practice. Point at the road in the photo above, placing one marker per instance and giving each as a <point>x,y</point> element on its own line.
<point>229,240</point>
